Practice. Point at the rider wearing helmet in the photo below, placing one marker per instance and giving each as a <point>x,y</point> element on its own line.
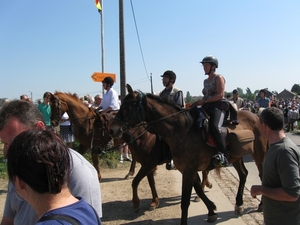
<point>110,99</point>
<point>213,91</point>
<point>171,93</point>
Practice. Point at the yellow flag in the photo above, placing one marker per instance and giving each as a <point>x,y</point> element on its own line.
<point>98,5</point>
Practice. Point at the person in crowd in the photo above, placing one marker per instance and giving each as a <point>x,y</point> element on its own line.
<point>173,94</point>
<point>97,102</point>
<point>39,166</point>
<point>237,100</point>
<point>29,100</point>
<point>89,99</point>
<point>66,130</point>
<point>213,92</point>
<point>86,103</point>
<point>123,150</point>
<point>280,188</point>
<point>45,109</point>
<point>263,101</point>
<point>24,97</point>
<point>293,116</point>
<point>18,116</point>
<point>110,98</point>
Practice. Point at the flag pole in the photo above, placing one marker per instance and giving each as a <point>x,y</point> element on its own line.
<point>102,40</point>
<point>102,36</point>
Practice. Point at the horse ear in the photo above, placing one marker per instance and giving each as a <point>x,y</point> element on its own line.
<point>129,89</point>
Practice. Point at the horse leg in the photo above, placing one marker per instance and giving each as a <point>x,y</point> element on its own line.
<point>212,216</point>
<point>155,200</point>
<point>186,191</point>
<point>132,169</point>
<point>95,161</point>
<point>144,170</point>
<point>243,173</point>
<point>205,182</point>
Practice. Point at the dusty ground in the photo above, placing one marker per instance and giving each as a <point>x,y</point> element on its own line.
<point>117,194</point>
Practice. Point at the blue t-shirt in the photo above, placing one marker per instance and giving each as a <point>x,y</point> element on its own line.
<point>263,102</point>
<point>80,211</point>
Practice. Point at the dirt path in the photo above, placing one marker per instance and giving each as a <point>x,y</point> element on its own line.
<point>117,195</point>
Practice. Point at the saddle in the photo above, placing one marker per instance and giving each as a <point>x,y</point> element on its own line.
<point>239,141</point>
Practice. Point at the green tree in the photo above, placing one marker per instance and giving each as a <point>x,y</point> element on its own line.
<point>188,97</point>
<point>296,89</point>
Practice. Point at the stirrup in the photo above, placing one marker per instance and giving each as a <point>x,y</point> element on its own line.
<point>220,160</point>
<point>170,165</point>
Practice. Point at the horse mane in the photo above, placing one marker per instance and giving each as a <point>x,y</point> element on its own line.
<point>187,116</point>
<point>72,96</point>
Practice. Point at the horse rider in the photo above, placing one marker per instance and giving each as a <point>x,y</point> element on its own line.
<point>171,93</point>
<point>212,103</point>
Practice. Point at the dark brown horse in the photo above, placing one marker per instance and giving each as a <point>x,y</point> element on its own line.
<point>189,150</point>
<point>84,120</point>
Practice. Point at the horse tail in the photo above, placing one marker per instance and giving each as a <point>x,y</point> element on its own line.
<point>218,171</point>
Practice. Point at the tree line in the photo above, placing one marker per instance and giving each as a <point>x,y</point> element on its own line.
<point>247,96</point>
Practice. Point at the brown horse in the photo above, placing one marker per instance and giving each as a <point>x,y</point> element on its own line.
<point>84,121</point>
<point>189,150</point>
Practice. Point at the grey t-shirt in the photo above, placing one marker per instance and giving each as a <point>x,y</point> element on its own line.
<point>83,183</point>
<point>281,169</point>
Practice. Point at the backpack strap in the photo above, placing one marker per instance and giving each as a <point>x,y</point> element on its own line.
<point>69,219</point>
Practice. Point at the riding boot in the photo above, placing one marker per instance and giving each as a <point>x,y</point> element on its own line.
<point>220,159</point>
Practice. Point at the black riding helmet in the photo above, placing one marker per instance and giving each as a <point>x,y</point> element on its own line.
<point>210,59</point>
<point>108,80</point>
<point>170,74</point>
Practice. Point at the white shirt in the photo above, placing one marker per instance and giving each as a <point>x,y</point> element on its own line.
<point>110,99</point>
<point>65,116</point>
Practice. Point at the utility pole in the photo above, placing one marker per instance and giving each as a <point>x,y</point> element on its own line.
<point>122,51</point>
<point>151,83</point>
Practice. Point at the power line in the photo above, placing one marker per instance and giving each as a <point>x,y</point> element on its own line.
<point>138,36</point>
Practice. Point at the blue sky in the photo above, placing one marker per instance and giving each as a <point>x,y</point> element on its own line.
<point>55,45</point>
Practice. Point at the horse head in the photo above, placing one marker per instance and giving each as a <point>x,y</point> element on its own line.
<point>131,113</point>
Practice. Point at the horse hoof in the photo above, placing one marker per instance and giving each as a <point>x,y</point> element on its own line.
<point>212,218</point>
<point>238,210</point>
<point>153,206</point>
<point>209,185</point>
<point>197,199</point>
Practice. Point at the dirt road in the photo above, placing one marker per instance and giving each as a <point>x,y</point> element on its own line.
<point>117,205</point>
